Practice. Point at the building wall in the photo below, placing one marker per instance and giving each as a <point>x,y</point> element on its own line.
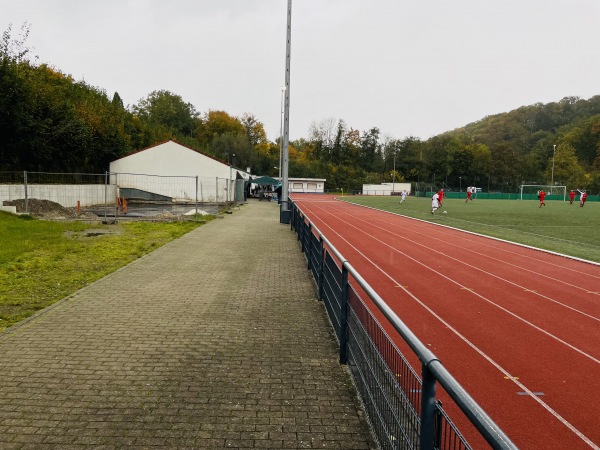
<point>66,195</point>
<point>307,185</point>
<point>171,159</point>
<point>171,169</point>
<point>385,188</point>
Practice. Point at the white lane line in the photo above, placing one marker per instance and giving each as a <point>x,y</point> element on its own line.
<point>500,260</point>
<point>492,238</point>
<point>491,302</point>
<point>395,282</point>
<point>476,268</point>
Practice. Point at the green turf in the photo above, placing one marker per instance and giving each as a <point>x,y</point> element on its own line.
<point>559,226</point>
<point>43,261</point>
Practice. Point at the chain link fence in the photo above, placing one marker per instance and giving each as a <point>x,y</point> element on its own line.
<point>124,195</point>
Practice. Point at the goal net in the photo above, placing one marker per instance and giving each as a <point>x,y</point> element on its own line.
<point>530,191</point>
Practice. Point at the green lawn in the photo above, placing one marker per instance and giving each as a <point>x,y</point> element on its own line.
<point>558,226</point>
<point>44,261</point>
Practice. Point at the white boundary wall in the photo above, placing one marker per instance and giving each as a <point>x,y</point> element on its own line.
<point>66,195</point>
<point>385,188</point>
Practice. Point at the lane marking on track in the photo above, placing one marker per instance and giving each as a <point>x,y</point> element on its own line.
<point>538,394</point>
<point>484,355</point>
<point>465,233</point>
<point>371,224</point>
<point>481,296</point>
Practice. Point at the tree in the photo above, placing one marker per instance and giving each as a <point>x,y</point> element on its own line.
<point>567,170</point>
<point>117,101</point>
<point>216,123</point>
<point>169,110</point>
<point>370,151</point>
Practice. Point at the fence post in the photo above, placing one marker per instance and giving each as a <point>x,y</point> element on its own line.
<point>217,192</point>
<point>196,196</point>
<point>321,267</point>
<point>426,436</point>
<point>105,193</point>
<point>25,187</point>
<point>309,247</point>
<point>344,316</point>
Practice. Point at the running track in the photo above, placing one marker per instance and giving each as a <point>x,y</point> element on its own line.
<point>517,327</point>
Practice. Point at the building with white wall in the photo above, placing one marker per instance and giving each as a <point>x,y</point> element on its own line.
<point>172,170</point>
<point>307,185</point>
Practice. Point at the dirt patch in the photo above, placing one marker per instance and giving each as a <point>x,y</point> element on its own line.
<point>47,209</point>
<point>94,232</point>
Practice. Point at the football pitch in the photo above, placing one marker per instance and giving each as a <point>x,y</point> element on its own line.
<point>558,226</point>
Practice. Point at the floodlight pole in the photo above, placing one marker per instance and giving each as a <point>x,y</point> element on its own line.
<point>286,117</point>
<point>281,111</point>
<point>552,181</point>
<point>394,174</point>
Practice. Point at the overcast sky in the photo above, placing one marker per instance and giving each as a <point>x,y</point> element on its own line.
<point>409,67</point>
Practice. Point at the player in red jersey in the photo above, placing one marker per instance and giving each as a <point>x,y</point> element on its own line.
<point>542,196</point>
<point>582,198</point>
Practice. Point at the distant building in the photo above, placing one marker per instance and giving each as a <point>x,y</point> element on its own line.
<point>385,188</point>
<point>307,185</point>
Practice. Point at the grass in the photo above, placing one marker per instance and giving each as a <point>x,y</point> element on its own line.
<point>559,226</point>
<point>44,261</point>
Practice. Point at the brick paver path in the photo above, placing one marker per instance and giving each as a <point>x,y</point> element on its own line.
<point>215,340</point>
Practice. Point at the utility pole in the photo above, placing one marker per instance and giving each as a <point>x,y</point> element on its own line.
<point>552,182</point>
<point>284,216</point>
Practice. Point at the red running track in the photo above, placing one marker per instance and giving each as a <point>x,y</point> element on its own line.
<point>518,328</point>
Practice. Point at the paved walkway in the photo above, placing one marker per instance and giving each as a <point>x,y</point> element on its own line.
<point>215,340</point>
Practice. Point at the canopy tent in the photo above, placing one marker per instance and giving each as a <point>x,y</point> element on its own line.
<point>265,180</point>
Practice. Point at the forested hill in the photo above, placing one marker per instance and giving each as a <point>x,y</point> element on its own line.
<point>522,143</point>
<point>538,127</point>
<point>50,122</point>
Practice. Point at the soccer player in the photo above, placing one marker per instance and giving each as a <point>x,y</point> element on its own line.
<point>435,204</point>
<point>582,198</point>
<point>469,193</point>
<point>571,197</point>
<point>440,197</point>
<point>542,196</point>
<point>402,196</point>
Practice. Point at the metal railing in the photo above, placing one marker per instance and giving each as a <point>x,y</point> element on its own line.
<point>402,407</point>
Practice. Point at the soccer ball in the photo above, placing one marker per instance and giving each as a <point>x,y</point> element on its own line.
<point>445,212</point>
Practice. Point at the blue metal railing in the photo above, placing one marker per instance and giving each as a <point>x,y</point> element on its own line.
<point>402,408</point>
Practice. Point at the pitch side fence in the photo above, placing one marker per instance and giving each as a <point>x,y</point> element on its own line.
<point>84,190</point>
<point>402,407</point>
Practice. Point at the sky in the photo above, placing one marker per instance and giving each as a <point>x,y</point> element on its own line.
<point>408,67</point>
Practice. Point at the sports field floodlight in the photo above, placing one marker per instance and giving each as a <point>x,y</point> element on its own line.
<point>394,173</point>
<point>553,154</point>
<point>285,212</point>
<point>283,88</point>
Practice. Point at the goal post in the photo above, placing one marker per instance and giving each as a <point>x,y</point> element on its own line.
<point>530,191</point>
